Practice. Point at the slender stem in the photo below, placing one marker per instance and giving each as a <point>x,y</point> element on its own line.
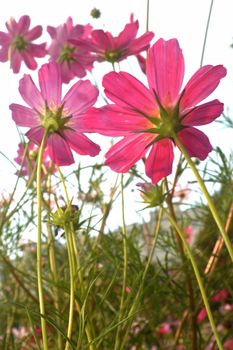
<point>206,32</point>
<point>137,297</point>
<point>147,14</point>
<point>125,254</point>
<point>207,196</point>
<point>39,243</point>
<point>186,270</point>
<point>68,234</point>
<point>198,277</point>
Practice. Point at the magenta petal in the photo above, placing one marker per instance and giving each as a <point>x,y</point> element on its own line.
<point>127,34</point>
<point>24,116</point>
<point>203,114</point>
<point>80,97</point>
<point>141,44</point>
<point>30,93</point>
<point>59,150</point>
<point>195,142</point>
<point>125,90</point>
<point>5,39</point>
<point>37,50</point>
<point>125,153</point>
<point>36,134</point>
<point>101,39</point>
<point>29,60</point>
<point>34,33</point>
<point>201,85</point>
<point>24,24</point>
<point>159,161</point>
<point>81,144</point>
<point>112,120</point>
<point>165,70</point>
<point>4,54</point>
<point>16,60</point>
<point>50,83</point>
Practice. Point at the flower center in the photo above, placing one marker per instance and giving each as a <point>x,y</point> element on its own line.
<point>112,56</point>
<point>66,54</point>
<point>19,43</point>
<point>54,121</point>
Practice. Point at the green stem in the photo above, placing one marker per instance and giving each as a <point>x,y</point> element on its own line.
<point>124,284</point>
<point>206,33</point>
<point>68,234</point>
<point>198,277</point>
<point>39,243</point>
<point>207,196</point>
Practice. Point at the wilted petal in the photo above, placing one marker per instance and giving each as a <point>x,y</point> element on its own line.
<point>125,90</point>
<point>201,85</point>
<point>59,150</point>
<point>81,144</point>
<point>159,161</point>
<point>203,114</point>
<point>30,93</point>
<point>50,83</point>
<point>195,142</point>
<point>125,153</point>
<point>165,70</point>
<point>80,97</point>
<point>24,116</point>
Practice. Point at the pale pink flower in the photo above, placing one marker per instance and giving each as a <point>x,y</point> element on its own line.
<point>165,328</point>
<point>148,118</point>
<point>70,47</point>
<point>62,119</point>
<point>115,49</point>
<point>28,161</point>
<point>17,44</point>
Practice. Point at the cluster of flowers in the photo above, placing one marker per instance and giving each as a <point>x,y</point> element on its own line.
<point>148,118</point>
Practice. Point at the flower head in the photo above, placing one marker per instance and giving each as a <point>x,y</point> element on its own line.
<point>27,159</point>
<point>70,48</point>
<point>115,49</point>
<point>61,119</point>
<point>17,44</point>
<point>149,119</point>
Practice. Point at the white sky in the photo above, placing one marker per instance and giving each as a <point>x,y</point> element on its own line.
<point>183,19</point>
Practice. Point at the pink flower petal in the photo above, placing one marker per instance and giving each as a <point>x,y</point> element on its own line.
<point>125,153</point>
<point>102,39</point>
<point>23,24</point>
<point>78,70</point>
<point>195,142</point>
<point>125,90</point>
<point>140,44</point>
<point>112,120</point>
<point>5,39</point>
<point>30,93</point>
<point>201,85</point>
<point>4,54</point>
<point>29,60</point>
<point>50,83</point>
<point>16,60</point>
<point>36,134</point>
<point>24,116</point>
<point>34,33</point>
<point>37,50</point>
<point>203,114</point>
<point>127,34</point>
<point>80,97</point>
<point>165,70</point>
<point>159,161</point>
<point>81,144</point>
<point>52,31</point>
<point>59,150</point>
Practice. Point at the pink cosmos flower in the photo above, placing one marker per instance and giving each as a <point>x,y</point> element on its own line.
<point>148,118</point>
<point>115,49</point>
<point>17,44</point>
<point>74,59</point>
<point>188,231</point>
<point>28,161</point>
<point>62,119</point>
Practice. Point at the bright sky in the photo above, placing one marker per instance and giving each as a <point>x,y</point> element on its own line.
<point>184,19</point>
